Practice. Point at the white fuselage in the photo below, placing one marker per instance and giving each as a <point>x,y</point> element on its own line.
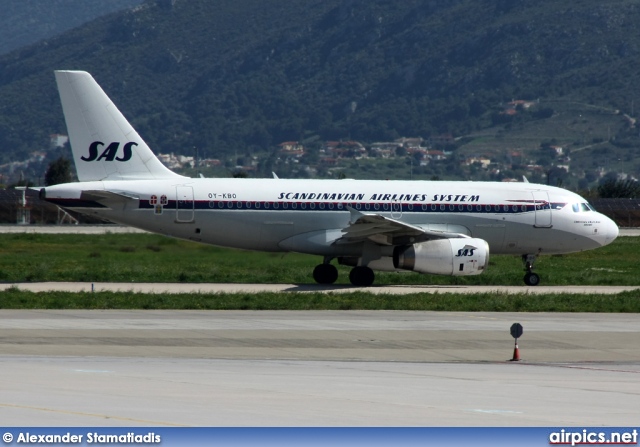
<point>308,215</point>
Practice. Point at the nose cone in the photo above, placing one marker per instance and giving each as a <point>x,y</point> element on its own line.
<point>608,231</point>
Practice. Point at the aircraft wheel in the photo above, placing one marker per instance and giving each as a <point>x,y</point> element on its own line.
<point>531,279</point>
<point>361,276</point>
<point>325,274</point>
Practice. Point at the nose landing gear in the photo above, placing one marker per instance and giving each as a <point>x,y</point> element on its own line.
<point>530,278</point>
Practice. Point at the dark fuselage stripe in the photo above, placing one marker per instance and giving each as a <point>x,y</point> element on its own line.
<point>342,206</point>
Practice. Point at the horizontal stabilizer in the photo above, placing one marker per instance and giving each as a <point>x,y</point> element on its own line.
<point>108,198</point>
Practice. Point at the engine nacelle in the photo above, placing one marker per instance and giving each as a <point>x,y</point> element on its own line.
<point>453,257</point>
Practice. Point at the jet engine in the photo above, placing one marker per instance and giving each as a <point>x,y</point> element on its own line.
<point>453,257</point>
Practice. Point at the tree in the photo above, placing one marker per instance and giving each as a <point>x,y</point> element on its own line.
<point>58,171</point>
<point>240,174</point>
<point>619,189</point>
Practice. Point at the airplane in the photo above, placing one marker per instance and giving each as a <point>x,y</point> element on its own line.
<point>431,227</point>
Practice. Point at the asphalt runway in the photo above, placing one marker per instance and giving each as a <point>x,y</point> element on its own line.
<point>322,368</point>
<point>350,368</point>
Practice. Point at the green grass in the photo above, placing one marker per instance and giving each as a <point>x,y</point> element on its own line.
<point>13,298</point>
<point>154,258</point>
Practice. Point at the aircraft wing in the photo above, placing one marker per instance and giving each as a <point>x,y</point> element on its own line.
<point>386,231</point>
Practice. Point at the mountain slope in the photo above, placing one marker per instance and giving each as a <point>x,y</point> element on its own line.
<point>246,74</point>
<point>24,22</point>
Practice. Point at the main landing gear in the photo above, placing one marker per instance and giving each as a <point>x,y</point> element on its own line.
<point>359,276</point>
<point>530,278</point>
<point>325,273</point>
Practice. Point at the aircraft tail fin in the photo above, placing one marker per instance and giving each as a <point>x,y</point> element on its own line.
<point>104,145</point>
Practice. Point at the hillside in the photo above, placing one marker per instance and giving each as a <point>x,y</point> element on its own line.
<point>240,76</point>
<point>24,22</point>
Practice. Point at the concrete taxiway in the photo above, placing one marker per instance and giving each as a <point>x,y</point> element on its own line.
<point>304,288</point>
<point>321,368</point>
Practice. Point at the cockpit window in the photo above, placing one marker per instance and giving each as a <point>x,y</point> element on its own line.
<point>581,207</point>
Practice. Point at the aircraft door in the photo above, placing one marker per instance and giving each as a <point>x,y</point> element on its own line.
<point>396,209</point>
<point>184,204</point>
<point>542,209</point>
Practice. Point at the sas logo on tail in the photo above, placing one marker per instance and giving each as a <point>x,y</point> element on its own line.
<point>466,251</point>
<point>110,152</point>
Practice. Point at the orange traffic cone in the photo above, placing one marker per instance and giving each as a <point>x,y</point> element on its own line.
<point>516,353</point>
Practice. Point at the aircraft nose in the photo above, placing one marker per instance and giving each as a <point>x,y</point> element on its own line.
<point>609,231</point>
